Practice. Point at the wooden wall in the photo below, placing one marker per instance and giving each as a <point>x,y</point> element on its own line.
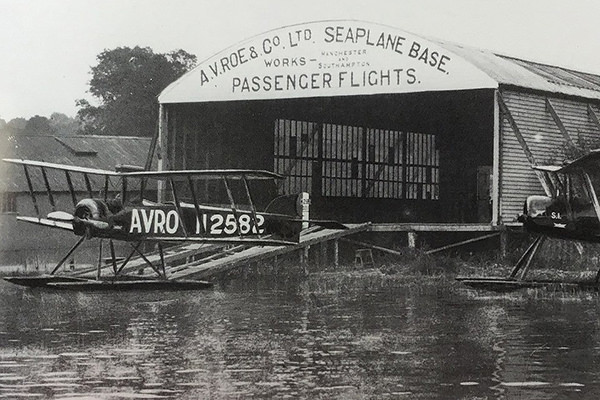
<point>543,138</point>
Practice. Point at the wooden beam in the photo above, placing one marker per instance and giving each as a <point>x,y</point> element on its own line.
<point>462,243</point>
<point>593,116</point>
<point>162,153</point>
<point>433,227</point>
<point>561,127</point>
<point>515,128</point>
<point>372,246</point>
<point>543,178</point>
<point>496,204</point>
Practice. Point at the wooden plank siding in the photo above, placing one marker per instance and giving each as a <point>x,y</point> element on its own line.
<point>544,139</point>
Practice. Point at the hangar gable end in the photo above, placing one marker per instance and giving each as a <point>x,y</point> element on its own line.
<point>327,58</point>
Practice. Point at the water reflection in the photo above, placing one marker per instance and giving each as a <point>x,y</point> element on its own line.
<point>330,336</point>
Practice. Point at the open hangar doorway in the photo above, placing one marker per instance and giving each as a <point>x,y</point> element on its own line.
<point>415,157</point>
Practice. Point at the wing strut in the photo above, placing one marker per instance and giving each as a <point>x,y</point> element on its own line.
<point>146,259</point>
<point>48,189</point>
<point>142,188</point>
<point>162,260</point>
<point>124,191</point>
<point>593,195</point>
<point>88,185</point>
<point>99,267</point>
<point>71,189</point>
<point>229,194</point>
<point>178,206</point>
<point>231,200</point>
<point>35,205</point>
<point>105,187</point>
<point>129,257</point>
<point>195,201</point>
<point>62,261</point>
<point>252,207</point>
<point>112,256</point>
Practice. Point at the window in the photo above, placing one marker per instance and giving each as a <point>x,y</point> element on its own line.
<point>355,168</point>
<point>391,160</point>
<point>293,146</point>
<point>352,161</point>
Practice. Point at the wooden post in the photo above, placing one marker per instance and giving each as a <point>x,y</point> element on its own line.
<point>412,240</point>
<point>336,253</point>
<point>503,243</point>
<point>305,258</point>
<point>323,255</point>
<point>99,270</point>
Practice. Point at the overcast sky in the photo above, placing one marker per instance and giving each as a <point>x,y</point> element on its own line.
<point>47,47</point>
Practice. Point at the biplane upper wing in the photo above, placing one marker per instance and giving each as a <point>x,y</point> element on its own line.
<point>196,174</point>
<point>62,167</point>
<point>584,162</point>
<point>547,168</point>
<point>199,174</point>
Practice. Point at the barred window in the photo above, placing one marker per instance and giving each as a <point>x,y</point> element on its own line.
<point>349,161</point>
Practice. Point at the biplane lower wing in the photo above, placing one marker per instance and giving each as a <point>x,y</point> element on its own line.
<point>67,226</point>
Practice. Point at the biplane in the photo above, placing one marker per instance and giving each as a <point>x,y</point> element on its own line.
<point>117,213</point>
<point>570,210</point>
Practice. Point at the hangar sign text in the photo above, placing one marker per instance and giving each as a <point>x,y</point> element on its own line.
<point>323,59</point>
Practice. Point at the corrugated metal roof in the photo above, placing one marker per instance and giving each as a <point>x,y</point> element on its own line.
<point>529,74</point>
<point>103,152</point>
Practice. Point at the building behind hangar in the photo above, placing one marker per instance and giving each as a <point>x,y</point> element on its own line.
<point>379,124</point>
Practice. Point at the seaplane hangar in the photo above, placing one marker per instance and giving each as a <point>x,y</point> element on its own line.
<point>379,124</point>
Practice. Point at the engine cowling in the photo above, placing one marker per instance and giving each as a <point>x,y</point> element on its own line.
<point>536,206</point>
<point>89,214</point>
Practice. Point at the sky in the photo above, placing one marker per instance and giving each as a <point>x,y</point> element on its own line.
<point>47,47</point>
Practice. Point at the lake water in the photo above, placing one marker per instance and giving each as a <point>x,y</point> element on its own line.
<point>359,336</point>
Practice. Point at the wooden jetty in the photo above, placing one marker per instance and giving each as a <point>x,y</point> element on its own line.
<point>201,261</point>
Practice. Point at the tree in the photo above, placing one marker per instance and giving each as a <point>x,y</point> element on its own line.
<point>126,83</point>
<point>38,126</point>
<point>62,124</point>
<point>16,126</point>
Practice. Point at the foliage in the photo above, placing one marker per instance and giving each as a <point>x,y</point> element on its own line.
<point>57,124</point>
<point>126,83</point>
<point>38,126</point>
<point>62,124</point>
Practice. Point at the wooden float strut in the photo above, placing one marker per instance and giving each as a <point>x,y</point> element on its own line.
<point>525,261</point>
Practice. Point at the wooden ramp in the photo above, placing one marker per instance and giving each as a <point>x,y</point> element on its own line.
<point>234,257</point>
<point>178,254</point>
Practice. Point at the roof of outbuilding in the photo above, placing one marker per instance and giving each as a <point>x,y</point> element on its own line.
<point>102,152</point>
